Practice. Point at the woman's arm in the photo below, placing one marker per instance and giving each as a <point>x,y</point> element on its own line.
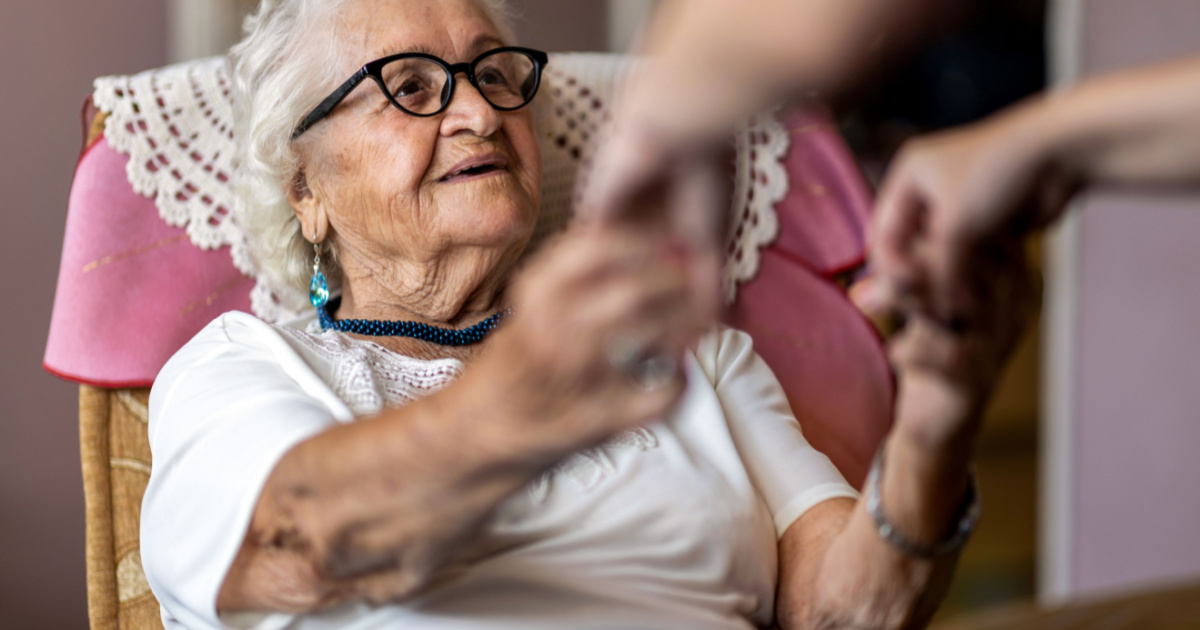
<point>368,511</point>
<point>835,568</point>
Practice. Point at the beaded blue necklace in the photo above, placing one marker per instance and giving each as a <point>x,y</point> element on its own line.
<point>414,330</point>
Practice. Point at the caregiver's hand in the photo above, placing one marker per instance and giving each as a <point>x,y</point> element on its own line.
<point>948,194</point>
<point>714,63</point>
<point>643,183</point>
<point>1013,173</point>
<point>593,308</point>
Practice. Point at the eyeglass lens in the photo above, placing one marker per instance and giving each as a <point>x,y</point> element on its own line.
<point>421,86</point>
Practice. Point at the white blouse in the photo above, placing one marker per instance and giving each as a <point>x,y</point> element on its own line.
<point>670,526</point>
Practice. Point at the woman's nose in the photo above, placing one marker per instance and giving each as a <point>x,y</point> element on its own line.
<point>469,111</point>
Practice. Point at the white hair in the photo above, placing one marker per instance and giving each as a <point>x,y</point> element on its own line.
<point>288,62</point>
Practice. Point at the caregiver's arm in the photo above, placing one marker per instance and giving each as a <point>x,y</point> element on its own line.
<point>719,61</point>
<point>1140,126</point>
<point>367,511</point>
<point>1015,172</point>
<point>716,62</point>
<point>835,569</point>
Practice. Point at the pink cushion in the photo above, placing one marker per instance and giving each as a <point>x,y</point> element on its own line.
<point>131,289</point>
<point>824,216</point>
<point>826,355</point>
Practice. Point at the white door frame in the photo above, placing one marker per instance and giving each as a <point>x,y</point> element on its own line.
<point>202,28</point>
<point>625,20</point>
<point>1060,342</point>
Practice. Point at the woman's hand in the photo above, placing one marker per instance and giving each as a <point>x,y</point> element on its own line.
<point>594,300</point>
<point>946,369</point>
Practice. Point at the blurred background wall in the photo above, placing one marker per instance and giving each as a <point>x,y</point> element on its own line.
<point>50,50</point>
<point>1122,352</point>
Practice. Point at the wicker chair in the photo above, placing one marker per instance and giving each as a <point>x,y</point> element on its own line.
<point>116,469</point>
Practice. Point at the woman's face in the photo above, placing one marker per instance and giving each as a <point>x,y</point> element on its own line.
<point>385,181</point>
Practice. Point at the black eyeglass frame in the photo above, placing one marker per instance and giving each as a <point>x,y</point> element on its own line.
<point>374,70</point>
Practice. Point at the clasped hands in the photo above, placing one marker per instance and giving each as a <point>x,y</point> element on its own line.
<point>947,254</point>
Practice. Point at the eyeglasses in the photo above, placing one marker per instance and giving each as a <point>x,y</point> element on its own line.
<point>423,85</point>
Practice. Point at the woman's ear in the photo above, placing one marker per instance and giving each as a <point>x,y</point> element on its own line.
<point>309,211</point>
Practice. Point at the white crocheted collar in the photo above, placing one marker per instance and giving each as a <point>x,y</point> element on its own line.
<point>176,125</point>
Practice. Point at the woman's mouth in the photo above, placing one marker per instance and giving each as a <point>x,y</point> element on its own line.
<point>476,168</point>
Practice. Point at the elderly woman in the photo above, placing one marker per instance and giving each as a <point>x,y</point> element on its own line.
<point>447,445</point>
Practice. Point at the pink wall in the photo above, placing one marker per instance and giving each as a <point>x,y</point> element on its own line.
<point>1136,508</point>
<point>49,52</point>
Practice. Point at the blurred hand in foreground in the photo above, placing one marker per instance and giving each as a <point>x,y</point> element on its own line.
<point>947,196</point>
<point>712,64</point>
<point>952,194</point>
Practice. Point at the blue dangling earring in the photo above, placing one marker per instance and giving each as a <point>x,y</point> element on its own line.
<point>318,289</point>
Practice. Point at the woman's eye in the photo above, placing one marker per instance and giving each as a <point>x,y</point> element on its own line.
<point>491,77</point>
<point>410,88</point>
